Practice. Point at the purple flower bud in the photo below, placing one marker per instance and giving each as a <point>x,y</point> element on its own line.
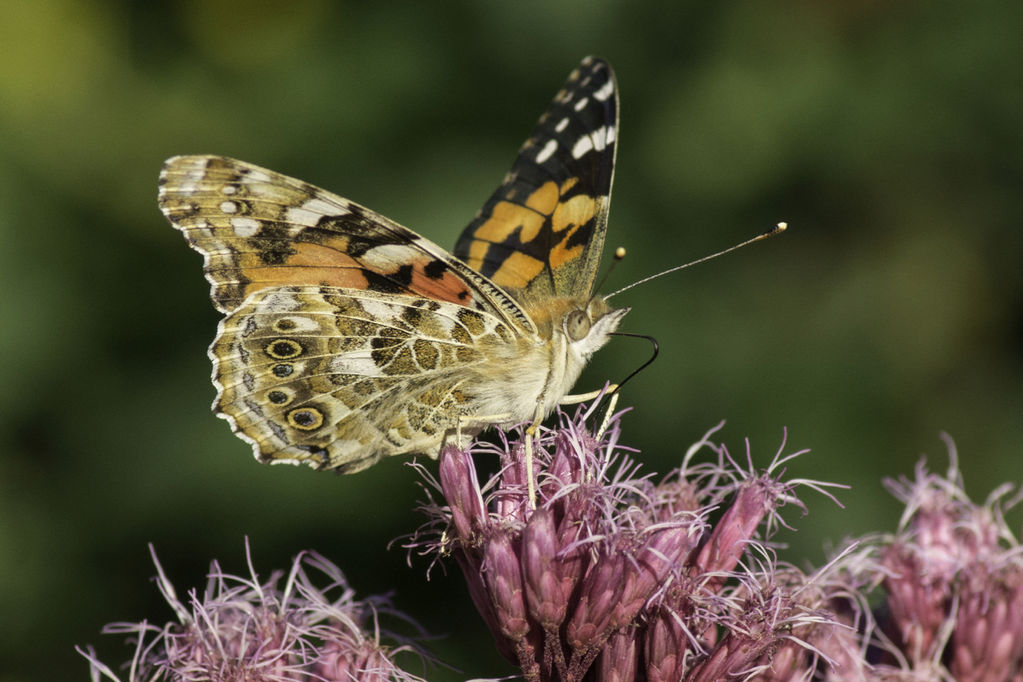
<point>918,601</point>
<point>343,663</point>
<point>737,652</point>
<point>665,647</point>
<point>511,499</point>
<point>660,554</point>
<point>462,490</point>
<point>472,570</point>
<point>504,584</point>
<point>601,594</point>
<point>545,593</point>
<point>574,557</point>
<point>673,497</point>
<point>619,660</point>
<point>727,542</point>
<point>988,640</point>
<point>565,469</point>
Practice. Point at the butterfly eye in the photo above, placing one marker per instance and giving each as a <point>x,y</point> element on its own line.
<point>577,324</point>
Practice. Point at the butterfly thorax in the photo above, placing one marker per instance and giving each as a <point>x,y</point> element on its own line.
<point>544,367</point>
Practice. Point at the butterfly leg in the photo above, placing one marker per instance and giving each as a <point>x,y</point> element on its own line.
<point>583,397</point>
<point>610,389</point>
<point>611,405</point>
<point>490,420</point>
<point>483,421</point>
<point>528,443</point>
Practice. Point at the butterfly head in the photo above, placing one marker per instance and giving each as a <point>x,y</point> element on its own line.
<point>588,325</point>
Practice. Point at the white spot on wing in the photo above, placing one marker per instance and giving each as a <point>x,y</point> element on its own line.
<point>342,449</point>
<point>605,91</point>
<point>301,217</point>
<point>229,189</point>
<point>325,207</point>
<point>582,146</point>
<point>309,213</point>
<point>245,227</point>
<point>547,151</point>
<point>581,104</point>
<point>257,176</point>
<point>191,186</point>
<point>597,140</point>
<point>281,301</point>
<point>562,124</point>
<point>191,176</point>
<point>228,207</point>
<point>386,256</point>
<point>377,310</point>
<point>447,324</point>
<point>300,322</point>
<point>203,228</point>
<point>357,362</point>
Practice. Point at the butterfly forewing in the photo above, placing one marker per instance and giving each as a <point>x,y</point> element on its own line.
<point>541,232</point>
<point>257,228</point>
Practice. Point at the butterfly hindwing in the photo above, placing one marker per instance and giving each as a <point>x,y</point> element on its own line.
<point>541,233</point>
<point>339,378</point>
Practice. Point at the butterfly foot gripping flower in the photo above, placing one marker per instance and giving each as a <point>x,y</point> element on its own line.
<point>614,576</point>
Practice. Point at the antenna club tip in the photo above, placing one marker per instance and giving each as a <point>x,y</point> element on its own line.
<point>777,229</point>
<point>620,253</point>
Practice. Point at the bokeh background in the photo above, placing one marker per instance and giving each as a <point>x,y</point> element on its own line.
<point>888,134</point>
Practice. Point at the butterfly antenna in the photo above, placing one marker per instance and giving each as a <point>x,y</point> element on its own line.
<point>619,254</point>
<point>777,229</point>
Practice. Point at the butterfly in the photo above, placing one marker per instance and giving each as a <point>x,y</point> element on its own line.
<point>348,338</point>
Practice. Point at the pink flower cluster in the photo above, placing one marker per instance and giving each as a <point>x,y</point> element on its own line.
<point>953,577</point>
<point>615,577</point>
<point>243,630</point>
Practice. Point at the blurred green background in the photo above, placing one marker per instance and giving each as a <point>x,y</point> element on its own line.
<point>888,134</point>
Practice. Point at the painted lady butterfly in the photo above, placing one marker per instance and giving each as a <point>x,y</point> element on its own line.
<point>348,338</point>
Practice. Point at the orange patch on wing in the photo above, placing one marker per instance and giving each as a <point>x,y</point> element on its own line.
<point>545,198</point>
<point>570,215</point>
<point>309,264</point>
<point>266,276</point>
<point>329,254</point>
<point>477,252</point>
<point>327,265</point>
<point>505,219</point>
<point>447,287</point>
<point>517,271</point>
<point>561,255</point>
